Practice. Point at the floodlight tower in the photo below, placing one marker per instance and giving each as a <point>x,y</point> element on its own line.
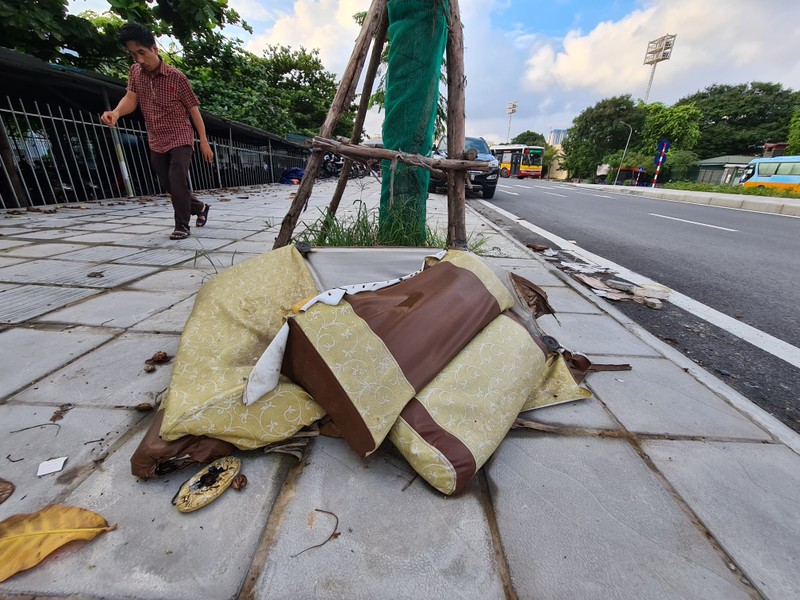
<point>510,109</point>
<point>657,50</point>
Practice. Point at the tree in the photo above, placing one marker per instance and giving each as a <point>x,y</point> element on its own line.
<point>739,119</point>
<point>794,134</point>
<point>680,124</point>
<point>598,130</point>
<point>529,138</point>
<point>44,29</point>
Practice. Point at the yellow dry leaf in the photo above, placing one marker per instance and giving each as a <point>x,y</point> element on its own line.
<point>25,540</point>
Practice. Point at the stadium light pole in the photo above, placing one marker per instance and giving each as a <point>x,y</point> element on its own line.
<point>510,109</point>
<point>624,152</point>
<point>657,50</point>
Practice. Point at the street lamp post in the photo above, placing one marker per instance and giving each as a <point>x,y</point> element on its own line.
<point>624,152</point>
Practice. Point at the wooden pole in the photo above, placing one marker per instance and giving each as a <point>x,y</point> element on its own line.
<point>456,180</point>
<point>358,125</point>
<point>343,98</point>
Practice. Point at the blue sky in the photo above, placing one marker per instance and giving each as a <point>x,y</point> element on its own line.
<point>558,57</point>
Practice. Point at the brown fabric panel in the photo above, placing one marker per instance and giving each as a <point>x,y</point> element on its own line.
<point>534,296</point>
<point>154,456</point>
<point>426,320</point>
<point>303,365</point>
<point>418,418</point>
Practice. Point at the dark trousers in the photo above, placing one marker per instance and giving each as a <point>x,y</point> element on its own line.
<point>172,169</point>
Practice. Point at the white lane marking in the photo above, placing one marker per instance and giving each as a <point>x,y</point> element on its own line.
<point>756,337</point>
<point>692,222</point>
<point>503,186</point>
<point>510,193</point>
<point>554,194</point>
<point>527,187</point>
<point>601,196</point>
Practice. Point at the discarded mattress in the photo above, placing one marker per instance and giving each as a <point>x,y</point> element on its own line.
<point>440,359</point>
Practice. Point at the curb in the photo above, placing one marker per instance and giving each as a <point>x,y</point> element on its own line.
<point>758,415</point>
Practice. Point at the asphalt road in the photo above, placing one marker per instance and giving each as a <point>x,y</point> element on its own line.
<point>743,264</point>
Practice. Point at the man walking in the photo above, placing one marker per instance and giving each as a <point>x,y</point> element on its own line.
<point>168,104</point>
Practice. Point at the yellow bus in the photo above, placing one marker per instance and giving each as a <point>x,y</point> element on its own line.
<point>519,160</point>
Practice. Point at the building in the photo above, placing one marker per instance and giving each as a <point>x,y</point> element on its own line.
<point>556,137</point>
<point>722,170</point>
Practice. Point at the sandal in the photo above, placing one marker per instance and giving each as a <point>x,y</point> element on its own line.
<point>202,217</point>
<point>179,235</point>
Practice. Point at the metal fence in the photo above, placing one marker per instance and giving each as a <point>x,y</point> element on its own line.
<point>52,155</point>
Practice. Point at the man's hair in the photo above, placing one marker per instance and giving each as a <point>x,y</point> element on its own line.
<point>134,32</point>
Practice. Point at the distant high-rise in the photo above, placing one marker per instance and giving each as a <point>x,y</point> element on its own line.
<point>556,137</point>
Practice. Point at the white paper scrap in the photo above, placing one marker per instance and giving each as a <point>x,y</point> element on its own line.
<point>54,465</point>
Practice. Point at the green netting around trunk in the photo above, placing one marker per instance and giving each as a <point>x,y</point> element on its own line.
<point>417,38</point>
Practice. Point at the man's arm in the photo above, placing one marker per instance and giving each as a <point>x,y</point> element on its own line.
<point>126,106</point>
<point>197,121</point>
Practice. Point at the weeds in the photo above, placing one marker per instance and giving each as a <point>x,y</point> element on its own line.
<point>363,229</point>
<point>731,189</point>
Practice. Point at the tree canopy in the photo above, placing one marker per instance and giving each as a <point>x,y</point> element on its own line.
<point>529,138</point>
<point>283,91</point>
<point>740,119</point>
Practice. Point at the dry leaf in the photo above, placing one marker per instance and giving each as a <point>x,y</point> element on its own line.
<point>25,540</point>
<point>6,489</point>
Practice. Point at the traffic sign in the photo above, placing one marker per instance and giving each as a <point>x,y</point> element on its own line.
<point>659,157</point>
<point>663,146</point>
<point>640,169</point>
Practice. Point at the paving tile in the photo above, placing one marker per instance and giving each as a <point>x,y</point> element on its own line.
<point>171,320</point>
<point>158,257</point>
<point>658,397</point>
<point>102,238</point>
<point>188,280</point>
<point>5,244</point>
<point>43,250</point>
<point>120,308</point>
<point>23,302</point>
<point>28,354</point>
<point>538,275</point>
<point>137,229</point>
<point>249,247</point>
<point>394,542</point>
<point>161,240</point>
<point>109,377</point>
<point>585,518</point>
<point>594,334</point>
<point>157,553</point>
<point>29,437</point>
<point>565,300</point>
<point>266,237</point>
<point>44,234</point>
<point>96,254</point>
<point>587,412</point>
<point>72,273</point>
<point>748,496</point>
<point>7,261</point>
<point>7,230</point>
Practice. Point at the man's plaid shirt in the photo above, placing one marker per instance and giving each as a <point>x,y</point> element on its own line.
<point>164,99</point>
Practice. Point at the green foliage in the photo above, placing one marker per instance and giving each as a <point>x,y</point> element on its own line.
<point>680,124</point>
<point>283,91</point>
<point>598,130</point>
<point>529,138</point>
<point>681,165</point>
<point>364,230</point>
<point>732,189</point>
<point>794,134</point>
<point>42,28</point>
<point>739,119</point>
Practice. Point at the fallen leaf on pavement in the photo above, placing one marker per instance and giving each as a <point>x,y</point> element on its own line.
<point>59,413</point>
<point>25,540</point>
<point>6,489</point>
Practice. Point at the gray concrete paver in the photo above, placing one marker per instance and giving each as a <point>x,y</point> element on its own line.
<point>583,517</point>
<point>748,495</point>
<point>157,553</point>
<point>171,320</point>
<point>83,435</point>
<point>594,334</point>
<point>565,300</point>
<point>110,376</point>
<point>394,543</point>
<point>43,250</point>
<point>28,354</point>
<point>657,397</point>
<point>116,309</point>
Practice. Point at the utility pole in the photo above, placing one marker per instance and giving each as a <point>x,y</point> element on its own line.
<point>657,50</point>
<point>510,109</point>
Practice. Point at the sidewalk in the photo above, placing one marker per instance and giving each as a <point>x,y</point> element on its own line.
<point>696,496</point>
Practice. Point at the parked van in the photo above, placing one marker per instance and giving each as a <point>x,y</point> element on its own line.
<point>781,172</point>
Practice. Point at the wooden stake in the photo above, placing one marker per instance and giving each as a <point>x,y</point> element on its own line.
<point>343,98</point>
<point>358,125</point>
<point>456,180</point>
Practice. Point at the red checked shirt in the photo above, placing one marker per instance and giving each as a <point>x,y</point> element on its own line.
<point>164,99</point>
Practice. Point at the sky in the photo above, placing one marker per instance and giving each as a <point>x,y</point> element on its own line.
<point>558,57</point>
